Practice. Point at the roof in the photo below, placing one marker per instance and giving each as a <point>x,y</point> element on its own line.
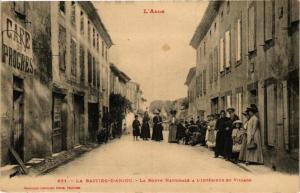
<point>190,75</point>
<point>122,76</point>
<point>95,18</point>
<point>205,23</point>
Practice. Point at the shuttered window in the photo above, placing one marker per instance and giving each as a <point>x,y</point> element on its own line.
<point>90,69</point>
<point>62,47</point>
<point>227,49</point>
<point>82,70</point>
<point>73,13</point>
<point>238,40</point>
<point>94,71</point>
<point>221,55</point>
<point>294,10</point>
<point>200,85</point>
<point>269,20</point>
<point>204,82</point>
<point>251,28</point>
<point>228,101</point>
<point>239,104</point>
<point>73,49</point>
<point>211,75</point>
<point>216,64</point>
<point>271,117</point>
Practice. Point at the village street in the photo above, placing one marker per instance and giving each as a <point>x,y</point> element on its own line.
<point>148,160</point>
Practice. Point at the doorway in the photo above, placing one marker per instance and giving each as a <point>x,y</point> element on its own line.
<point>93,123</point>
<point>78,120</point>
<point>59,126</point>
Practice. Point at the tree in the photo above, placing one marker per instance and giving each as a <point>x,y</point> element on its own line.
<point>119,105</point>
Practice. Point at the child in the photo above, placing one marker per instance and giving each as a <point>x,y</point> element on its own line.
<point>237,137</point>
<point>136,128</point>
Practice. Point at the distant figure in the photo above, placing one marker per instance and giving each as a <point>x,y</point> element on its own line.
<point>145,132</point>
<point>180,134</point>
<point>172,131</point>
<point>157,127</point>
<point>136,128</point>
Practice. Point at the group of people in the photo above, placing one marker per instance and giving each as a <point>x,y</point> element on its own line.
<point>228,136</point>
<point>143,130</point>
<point>224,133</point>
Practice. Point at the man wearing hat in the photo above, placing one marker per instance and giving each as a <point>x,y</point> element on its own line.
<point>228,132</point>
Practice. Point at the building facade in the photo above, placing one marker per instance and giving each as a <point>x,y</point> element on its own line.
<point>53,55</point>
<point>255,60</point>
<point>191,93</point>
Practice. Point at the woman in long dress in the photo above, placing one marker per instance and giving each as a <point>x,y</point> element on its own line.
<point>172,131</point>
<point>157,127</point>
<point>210,136</point>
<point>254,155</point>
<point>145,131</point>
<point>242,154</point>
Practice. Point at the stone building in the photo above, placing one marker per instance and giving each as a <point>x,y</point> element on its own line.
<point>248,53</point>
<point>118,81</point>
<point>191,93</point>
<point>53,55</point>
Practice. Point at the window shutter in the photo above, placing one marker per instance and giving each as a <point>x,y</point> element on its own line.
<point>271,119</point>
<point>228,101</point>
<point>268,20</point>
<point>204,82</point>
<point>62,47</point>
<point>239,104</point>
<point>238,40</point>
<point>216,64</point>
<point>294,4</point>
<point>221,55</point>
<point>227,49</point>
<point>251,29</point>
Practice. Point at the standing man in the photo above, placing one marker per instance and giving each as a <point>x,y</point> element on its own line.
<point>221,125</point>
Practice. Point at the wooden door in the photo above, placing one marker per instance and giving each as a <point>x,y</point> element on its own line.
<point>17,141</point>
<point>57,129</point>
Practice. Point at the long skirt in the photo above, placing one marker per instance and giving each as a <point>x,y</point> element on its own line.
<point>220,140</point>
<point>242,155</point>
<point>136,132</point>
<point>157,132</point>
<point>172,133</point>
<point>210,138</point>
<point>255,155</point>
<point>145,131</point>
<point>228,146</point>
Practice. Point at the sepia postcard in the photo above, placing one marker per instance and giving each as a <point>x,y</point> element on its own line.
<point>149,96</point>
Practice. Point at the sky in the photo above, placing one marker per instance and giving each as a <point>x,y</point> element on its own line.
<point>153,49</point>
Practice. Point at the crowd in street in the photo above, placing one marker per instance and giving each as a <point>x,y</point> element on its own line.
<point>224,133</point>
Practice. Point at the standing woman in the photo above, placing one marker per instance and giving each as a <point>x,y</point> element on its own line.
<point>157,127</point>
<point>145,132</point>
<point>172,130</point>
<point>254,144</point>
<point>242,155</point>
<point>210,136</point>
<point>136,128</point>
<point>221,134</point>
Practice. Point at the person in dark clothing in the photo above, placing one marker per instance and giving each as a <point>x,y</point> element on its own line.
<point>145,131</point>
<point>180,130</point>
<point>157,127</point>
<point>136,128</point>
<point>221,132</point>
<point>228,134</point>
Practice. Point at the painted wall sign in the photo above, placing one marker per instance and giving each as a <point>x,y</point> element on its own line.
<point>16,46</point>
